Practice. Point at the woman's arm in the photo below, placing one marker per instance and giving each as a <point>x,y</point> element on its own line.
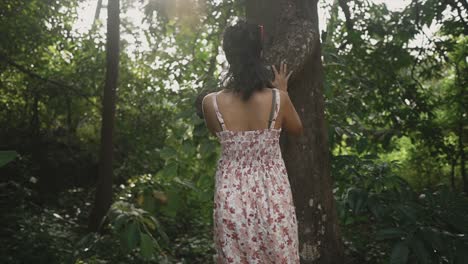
<point>290,119</point>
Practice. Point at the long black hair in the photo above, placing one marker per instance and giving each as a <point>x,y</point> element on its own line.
<point>243,44</point>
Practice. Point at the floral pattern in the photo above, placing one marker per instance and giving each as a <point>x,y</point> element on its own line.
<point>254,215</point>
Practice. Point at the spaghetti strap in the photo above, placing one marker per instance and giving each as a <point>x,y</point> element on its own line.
<point>275,110</point>
<point>218,114</point>
<point>273,106</point>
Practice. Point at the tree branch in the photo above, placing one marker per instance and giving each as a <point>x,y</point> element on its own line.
<point>349,22</point>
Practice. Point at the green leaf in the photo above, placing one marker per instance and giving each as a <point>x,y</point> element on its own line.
<point>131,235</point>
<point>408,212</point>
<point>150,222</point>
<point>170,170</point>
<point>119,221</point>
<point>390,233</point>
<point>186,183</point>
<point>461,251</point>
<point>435,239</point>
<point>361,145</point>
<point>420,250</point>
<point>174,202</point>
<point>207,148</point>
<point>149,204</point>
<point>200,130</point>
<point>168,152</point>
<point>146,246</point>
<point>7,156</point>
<point>399,253</point>
<point>357,199</point>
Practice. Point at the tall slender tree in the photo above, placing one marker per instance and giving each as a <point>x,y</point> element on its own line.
<point>103,197</point>
<point>292,34</point>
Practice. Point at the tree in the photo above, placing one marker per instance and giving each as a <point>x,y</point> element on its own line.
<point>292,34</point>
<point>103,197</point>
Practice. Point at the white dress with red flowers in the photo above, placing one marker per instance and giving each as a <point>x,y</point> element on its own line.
<point>254,215</point>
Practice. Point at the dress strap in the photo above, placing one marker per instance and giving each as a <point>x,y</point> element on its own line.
<point>218,114</point>
<point>275,105</point>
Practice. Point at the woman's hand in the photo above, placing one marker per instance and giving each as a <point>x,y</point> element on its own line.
<point>281,77</point>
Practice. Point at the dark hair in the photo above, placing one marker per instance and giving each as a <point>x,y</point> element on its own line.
<point>242,44</point>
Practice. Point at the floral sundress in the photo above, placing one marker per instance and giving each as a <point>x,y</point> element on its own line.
<point>254,215</point>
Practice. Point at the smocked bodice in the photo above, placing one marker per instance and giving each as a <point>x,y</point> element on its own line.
<point>248,146</point>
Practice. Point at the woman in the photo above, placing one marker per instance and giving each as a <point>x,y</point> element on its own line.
<point>254,215</point>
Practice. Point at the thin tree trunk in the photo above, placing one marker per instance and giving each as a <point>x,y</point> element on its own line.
<point>103,198</point>
<point>452,173</point>
<point>291,33</point>
<point>462,156</point>
<point>98,11</point>
<point>461,83</point>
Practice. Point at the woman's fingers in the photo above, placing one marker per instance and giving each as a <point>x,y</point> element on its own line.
<point>289,75</point>
<point>283,70</point>
<point>275,70</point>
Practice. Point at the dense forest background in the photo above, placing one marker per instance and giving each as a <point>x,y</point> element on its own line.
<point>395,105</point>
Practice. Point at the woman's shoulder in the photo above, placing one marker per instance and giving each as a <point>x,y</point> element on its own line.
<point>206,102</point>
<point>208,95</point>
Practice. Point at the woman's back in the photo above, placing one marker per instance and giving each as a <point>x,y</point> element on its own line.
<point>248,115</point>
<point>252,114</point>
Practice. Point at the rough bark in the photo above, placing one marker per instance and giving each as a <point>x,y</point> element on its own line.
<point>292,34</point>
<point>103,197</point>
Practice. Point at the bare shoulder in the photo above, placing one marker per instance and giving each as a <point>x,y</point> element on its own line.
<point>207,102</point>
<point>206,99</point>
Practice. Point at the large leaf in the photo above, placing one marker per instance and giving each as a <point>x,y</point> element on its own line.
<point>461,254</point>
<point>434,239</point>
<point>7,156</point>
<point>390,233</point>
<point>146,246</point>
<point>400,253</point>
<point>357,199</point>
<point>168,153</point>
<point>169,171</point>
<point>131,235</point>
<point>174,202</point>
<point>422,253</point>
<point>149,203</point>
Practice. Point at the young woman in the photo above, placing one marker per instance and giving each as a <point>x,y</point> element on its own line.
<point>254,215</point>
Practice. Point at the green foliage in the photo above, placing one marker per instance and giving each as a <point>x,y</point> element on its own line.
<point>6,157</point>
<point>405,226</point>
<point>134,227</point>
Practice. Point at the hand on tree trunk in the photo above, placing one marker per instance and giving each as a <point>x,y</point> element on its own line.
<point>281,77</point>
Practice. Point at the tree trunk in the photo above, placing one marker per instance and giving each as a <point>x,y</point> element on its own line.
<point>292,34</point>
<point>103,198</point>
<point>461,83</point>
<point>98,11</point>
<point>452,173</point>
<point>462,154</point>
